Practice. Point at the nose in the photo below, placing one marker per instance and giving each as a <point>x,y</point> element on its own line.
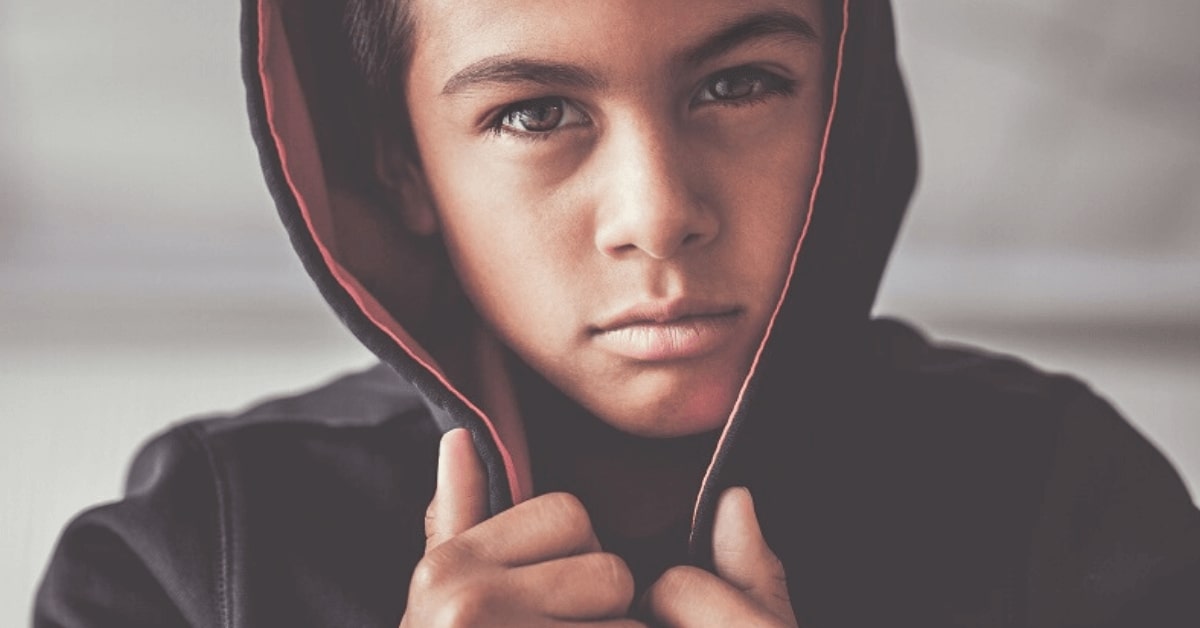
<point>651,203</point>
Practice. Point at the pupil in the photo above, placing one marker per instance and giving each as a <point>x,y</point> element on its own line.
<point>541,116</point>
<point>736,87</point>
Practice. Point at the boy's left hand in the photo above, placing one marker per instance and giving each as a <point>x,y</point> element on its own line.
<point>749,588</point>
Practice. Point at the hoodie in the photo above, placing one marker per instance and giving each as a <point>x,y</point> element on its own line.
<point>899,482</point>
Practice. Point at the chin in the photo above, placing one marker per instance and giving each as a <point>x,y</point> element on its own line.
<point>680,411</point>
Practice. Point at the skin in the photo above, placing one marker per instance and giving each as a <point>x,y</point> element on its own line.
<point>662,176</point>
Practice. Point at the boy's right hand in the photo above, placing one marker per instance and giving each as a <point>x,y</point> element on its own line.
<point>536,564</point>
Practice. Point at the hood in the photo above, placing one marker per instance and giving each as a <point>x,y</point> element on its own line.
<point>398,295</point>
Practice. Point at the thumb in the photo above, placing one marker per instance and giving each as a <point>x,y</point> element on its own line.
<point>742,558</point>
<point>460,501</point>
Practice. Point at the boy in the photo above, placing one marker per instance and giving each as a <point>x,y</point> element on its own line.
<point>631,248</point>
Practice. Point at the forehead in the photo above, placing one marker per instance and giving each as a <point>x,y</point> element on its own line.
<point>452,34</point>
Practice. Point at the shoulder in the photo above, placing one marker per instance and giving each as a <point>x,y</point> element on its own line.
<point>1052,422</point>
<point>906,355</point>
<point>969,408</point>
<point>361,399</point>
<point>349,424</point>
<point>222,510</point>
<point>994,400</point>
<point>356,447</point>
<point>977,387</point>
<point>1110,530</point>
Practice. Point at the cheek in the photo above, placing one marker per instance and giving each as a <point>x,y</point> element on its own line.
<point>763,179</point>
<point>513,252</point>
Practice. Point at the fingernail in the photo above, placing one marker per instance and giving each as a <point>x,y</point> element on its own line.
<point>449,435</point>
<point>741,489</point>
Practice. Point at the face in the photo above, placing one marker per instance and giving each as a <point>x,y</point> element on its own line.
<point>620,185</point>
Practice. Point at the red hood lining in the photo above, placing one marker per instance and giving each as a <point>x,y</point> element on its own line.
<point>291,129</point>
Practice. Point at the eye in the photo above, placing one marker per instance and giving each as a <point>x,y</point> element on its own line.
<point>743,85</point>
<point>538,117</point>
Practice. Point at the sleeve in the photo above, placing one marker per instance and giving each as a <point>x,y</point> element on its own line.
<point>1118,539</point>
<point>158,557</point>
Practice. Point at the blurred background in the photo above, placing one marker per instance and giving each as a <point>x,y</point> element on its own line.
<point>144,278</point>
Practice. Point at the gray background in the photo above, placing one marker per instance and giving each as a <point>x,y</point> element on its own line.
<point>143,277</point>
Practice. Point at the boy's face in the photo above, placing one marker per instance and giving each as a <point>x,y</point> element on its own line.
<point>620,185</point>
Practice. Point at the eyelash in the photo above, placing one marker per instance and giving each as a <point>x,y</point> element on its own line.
<point>496,126</point>
<point>771,83</point>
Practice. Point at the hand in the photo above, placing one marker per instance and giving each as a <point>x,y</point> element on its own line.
<point>749,588</point>
<point>536,564</point>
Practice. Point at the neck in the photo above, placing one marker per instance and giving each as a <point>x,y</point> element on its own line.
<point>633,487</point>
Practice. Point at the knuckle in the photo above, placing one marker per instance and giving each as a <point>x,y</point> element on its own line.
<point>775,566</point>
<point>470,607</point>
<point>565,505</point>
<point>567,511</point>
<point>451,590</point>
<point>429,530</point>
<point>430,515</point>
<point>428,575</point>
<point>678,579</point>
<point>445,564</point>
<point>612,570</point>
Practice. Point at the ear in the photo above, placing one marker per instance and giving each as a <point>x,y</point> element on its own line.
<point>403,182</point>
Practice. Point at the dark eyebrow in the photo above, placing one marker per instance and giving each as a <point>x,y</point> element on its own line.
<point>751,27</point>
<point>508,69</point>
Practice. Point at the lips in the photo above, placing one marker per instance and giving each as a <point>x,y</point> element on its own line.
<point>671,330</point>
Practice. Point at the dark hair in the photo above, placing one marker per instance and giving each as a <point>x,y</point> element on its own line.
<point>379,34</point>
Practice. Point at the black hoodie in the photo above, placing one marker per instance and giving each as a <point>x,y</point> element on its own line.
<point>900,483</point>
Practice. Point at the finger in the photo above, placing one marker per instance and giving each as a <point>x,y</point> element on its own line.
<point>689,596</point>
<point>590,586</point>
<point>460,501</point>
<point>741,555</point>
<point>550,526</point>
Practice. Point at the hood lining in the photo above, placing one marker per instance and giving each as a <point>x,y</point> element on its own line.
<point>305,177</point>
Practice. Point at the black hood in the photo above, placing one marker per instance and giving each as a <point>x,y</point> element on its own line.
<point>398,295</point>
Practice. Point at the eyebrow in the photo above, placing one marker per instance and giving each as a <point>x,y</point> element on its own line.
<point>509,69</point>
<point>748,28</point>
<point>502,69</point>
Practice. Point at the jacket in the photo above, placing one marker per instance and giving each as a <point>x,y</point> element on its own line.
<point>901,483</point>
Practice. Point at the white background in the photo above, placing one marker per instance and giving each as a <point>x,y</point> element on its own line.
<point>144,279</point>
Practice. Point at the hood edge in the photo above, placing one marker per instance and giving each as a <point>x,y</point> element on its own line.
<point>448,406</point>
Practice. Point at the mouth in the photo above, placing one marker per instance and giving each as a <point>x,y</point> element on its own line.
<point>665,331</point>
